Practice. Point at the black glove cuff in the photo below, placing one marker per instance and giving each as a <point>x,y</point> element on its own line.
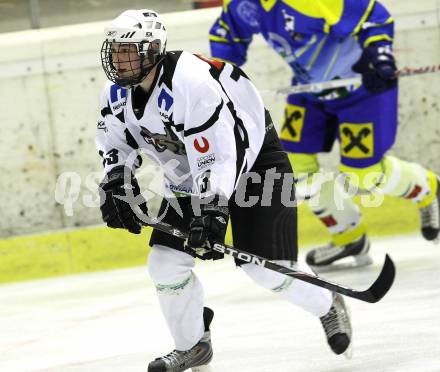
<point>215,209</point>
<point>219,206</point>
<point>115,177</point>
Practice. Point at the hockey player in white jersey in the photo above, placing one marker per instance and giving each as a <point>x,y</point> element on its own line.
<point>204,122</point>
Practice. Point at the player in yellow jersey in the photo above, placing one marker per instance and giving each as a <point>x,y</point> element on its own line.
<point>323,40</point>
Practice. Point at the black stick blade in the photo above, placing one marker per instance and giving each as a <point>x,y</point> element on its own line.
<point>382,284</point>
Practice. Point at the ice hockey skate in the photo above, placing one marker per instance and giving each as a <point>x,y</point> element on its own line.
<point>332,257</point>
<point>337,327</point>
<point>430,217</point>
<point>194,358</point>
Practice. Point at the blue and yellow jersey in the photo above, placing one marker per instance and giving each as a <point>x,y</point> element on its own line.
<point>319,39</point>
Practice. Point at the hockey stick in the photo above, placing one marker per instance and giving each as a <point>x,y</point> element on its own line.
<point>333,84</point>
<point>373,294</point>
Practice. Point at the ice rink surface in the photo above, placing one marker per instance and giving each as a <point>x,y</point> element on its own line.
<point>110,321</point>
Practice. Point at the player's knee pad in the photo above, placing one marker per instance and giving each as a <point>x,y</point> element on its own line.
<point>408,180</point>
<point>268,279</point>
<point>389,176</point>
<point>169,267</point>
<point>392,176</point>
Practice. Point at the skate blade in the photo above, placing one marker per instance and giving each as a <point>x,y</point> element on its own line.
<point>204,368</point>
<point>344,264</point>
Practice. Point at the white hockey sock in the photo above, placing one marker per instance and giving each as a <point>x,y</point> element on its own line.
<point>314,299</point>
<point>338,212</point>
<point>180,294</point>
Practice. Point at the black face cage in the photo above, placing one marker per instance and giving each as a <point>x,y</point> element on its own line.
<point>139,68</point>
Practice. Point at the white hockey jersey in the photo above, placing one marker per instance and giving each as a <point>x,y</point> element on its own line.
<point>203,122</point>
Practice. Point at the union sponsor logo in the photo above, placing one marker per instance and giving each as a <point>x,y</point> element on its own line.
<point>205,160</point>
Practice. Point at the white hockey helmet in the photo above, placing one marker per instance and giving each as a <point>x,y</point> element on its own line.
<point>145,34</point>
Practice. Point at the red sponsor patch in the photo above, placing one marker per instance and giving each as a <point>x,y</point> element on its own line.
<point>328,221</point>
<point>201,148</point>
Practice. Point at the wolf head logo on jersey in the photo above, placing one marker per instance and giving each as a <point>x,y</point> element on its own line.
<point>162,142</point>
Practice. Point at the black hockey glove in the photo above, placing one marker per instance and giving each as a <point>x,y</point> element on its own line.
<point>206,229</point>
<point>378,68</point>
<point>116,212</point>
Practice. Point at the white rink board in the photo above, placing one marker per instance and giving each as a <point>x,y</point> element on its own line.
<point>108,322</point>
